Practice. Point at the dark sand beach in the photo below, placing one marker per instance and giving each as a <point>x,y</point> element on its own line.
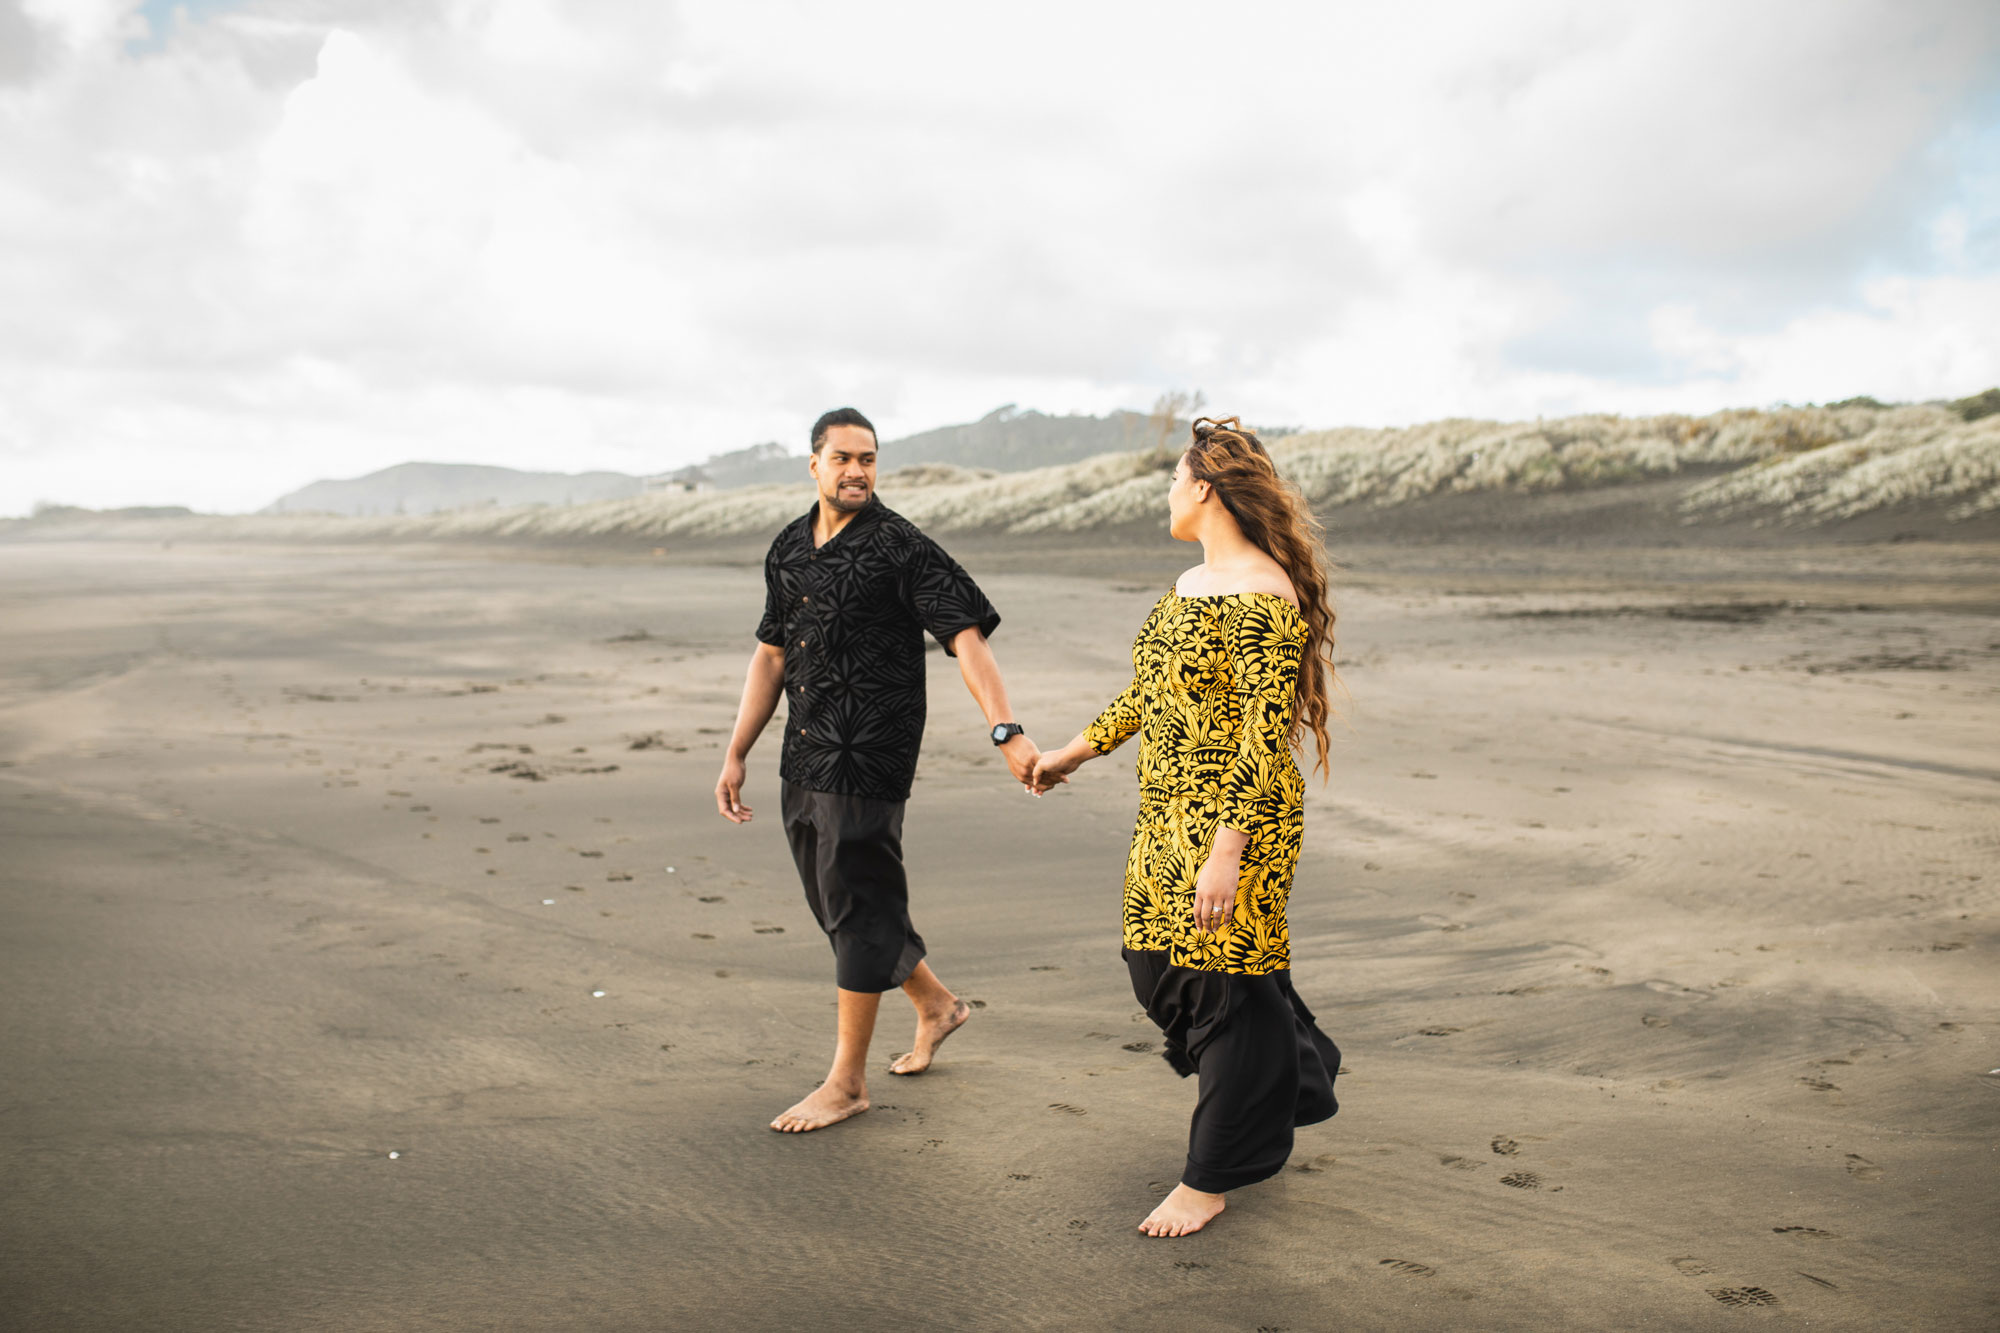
<point>373,957</point>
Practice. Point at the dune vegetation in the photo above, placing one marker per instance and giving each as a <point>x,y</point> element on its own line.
<point>1804,466</point>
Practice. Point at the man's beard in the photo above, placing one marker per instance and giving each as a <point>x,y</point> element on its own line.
<point>848,503</point>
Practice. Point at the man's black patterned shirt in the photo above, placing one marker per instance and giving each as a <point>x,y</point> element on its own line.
<point>851,617</point>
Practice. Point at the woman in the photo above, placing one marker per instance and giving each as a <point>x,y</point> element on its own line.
<point>1230,670</point>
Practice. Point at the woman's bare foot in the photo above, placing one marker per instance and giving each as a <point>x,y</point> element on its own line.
<point>827,1105</point>
<point>932,1029</point>
<point>1182,1213</point>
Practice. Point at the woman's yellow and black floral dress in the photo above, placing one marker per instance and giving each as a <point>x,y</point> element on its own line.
<point>1213,693</point>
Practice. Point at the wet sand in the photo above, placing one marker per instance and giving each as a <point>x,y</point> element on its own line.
<point>1652,902</point>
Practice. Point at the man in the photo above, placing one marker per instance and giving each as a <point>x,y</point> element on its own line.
<point>849,589</point>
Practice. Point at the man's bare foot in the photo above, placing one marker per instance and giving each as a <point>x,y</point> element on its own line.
<point>827,1105</point>
<point>932,1029</point>
<point>1182,1213</point>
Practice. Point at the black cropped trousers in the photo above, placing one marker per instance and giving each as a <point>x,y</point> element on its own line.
<point>1264,1066</point>
<point>849,851</point>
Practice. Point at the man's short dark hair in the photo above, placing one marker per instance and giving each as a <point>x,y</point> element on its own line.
<point>840,416</point>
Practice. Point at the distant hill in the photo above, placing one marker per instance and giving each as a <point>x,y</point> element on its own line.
<point>1004,440</point>
<point>756,465</point>
<point>1009,440</point>
<point>429,488</point>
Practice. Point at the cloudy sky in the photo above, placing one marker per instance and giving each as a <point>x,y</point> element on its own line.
<point>248,243</point>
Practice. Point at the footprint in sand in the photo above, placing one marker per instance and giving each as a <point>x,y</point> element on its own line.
<point>518,837</point>
<point>1138,1047</point>
<point>1437,1032</point>
<point>1656,1021</point>
<point>1820,1085</point>
<point>1742,1296</point>
<point>1506,1147</point>
<point>1689,1266</point>
<point>1814,1232</point>
<point>713,898</point>
<point>1861,1168</point>
<point>1407,1267</point>
<point>1459,1163</point>
<point>1067,1109</point>
<point>769,930</point>
<point>1522,1180</point>
<point>488,819</point>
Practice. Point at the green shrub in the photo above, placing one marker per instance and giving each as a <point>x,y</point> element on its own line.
<point>1978,405</point>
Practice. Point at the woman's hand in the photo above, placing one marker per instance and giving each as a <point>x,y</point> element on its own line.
<point>1054,766</point>
<point>1215,886</point>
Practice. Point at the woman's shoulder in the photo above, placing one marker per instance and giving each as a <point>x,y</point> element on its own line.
<point>1271,582</point>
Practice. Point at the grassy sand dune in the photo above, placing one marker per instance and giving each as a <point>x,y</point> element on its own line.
<point>1791,467</point>
<point>1912,456</point>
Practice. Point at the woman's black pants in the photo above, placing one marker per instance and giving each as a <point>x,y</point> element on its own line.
<point>1264,1065</point>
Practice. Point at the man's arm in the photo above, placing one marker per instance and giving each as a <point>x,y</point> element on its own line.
<point>982,677</point>
<point>763,685</point>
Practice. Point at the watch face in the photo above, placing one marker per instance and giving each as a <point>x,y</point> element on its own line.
<point>1000,734</point>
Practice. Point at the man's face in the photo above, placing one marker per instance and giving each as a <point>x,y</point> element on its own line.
<point>844,467</point>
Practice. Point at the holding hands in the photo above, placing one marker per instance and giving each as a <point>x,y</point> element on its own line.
<point>1021,756</point>
<point>1054,766</point>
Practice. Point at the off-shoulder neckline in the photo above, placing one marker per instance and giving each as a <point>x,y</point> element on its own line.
<point>1174,591</point>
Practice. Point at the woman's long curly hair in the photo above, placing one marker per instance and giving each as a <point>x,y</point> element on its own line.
<point>1274,515</point>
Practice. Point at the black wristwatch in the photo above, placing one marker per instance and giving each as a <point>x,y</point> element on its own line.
<point>1007,731</point>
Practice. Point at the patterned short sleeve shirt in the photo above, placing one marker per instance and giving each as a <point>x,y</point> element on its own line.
<point>851,617</point>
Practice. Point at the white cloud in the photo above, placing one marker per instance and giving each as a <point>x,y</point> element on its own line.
<point>313,238</point>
